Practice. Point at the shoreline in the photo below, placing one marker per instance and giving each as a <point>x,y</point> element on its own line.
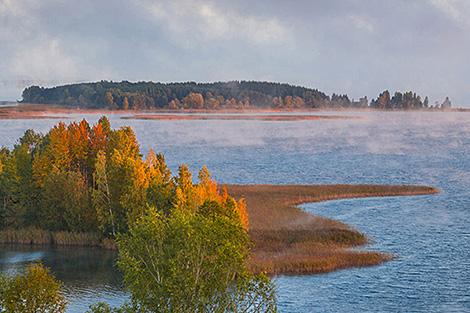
<point>246,117</point>
<point>286,239</point>
<point>50,111</point>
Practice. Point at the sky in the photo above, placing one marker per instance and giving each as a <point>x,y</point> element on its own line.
<point>357,47</point>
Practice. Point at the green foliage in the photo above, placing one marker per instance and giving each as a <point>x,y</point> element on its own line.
<point>35,291</point>
<point>399,101</point>
<point>101,197</point>
<point>207,255</point>
<point>221,95</point>
<point>102,307</point>
<point>66,204</point>
<point>147,95</point>
<point>161,189</point>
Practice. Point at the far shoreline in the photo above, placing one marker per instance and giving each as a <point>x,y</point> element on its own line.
<point>50,111</point>
<point>287,240</point>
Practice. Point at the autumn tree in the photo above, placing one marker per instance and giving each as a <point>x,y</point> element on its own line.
<point>81,178</point>
<point>194,100</point>
<point>125,104</point>
<point>212,103</point>
<point>54,156</point>
<point>109,99</point>
<point>299,102</point>
<point>79,146</point>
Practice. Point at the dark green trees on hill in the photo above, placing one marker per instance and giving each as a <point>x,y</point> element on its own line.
<point>221,95</point>
<point>189,95</point>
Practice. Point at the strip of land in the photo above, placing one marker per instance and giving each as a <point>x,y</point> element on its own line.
<point>41,111</point>
<point>18,112</point>
<point>260,117</point>
<point>286,239</point>
<point>51,111</point>
<point>289,240</point>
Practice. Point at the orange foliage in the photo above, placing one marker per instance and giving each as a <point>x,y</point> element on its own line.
<point>243,213</point>
<point>98,138</point>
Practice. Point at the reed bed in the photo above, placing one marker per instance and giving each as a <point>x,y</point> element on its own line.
<point>29,236</point>
<point>289,240</point>
<point>64,238</point>
<point>36,236</point>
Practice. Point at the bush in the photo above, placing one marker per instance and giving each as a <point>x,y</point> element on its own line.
<point>34,291</point>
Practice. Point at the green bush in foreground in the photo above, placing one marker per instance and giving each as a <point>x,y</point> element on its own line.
<point>191,263</point>
<point>35,291</point>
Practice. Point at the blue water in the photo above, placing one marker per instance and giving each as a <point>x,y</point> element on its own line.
<point>430,235</point>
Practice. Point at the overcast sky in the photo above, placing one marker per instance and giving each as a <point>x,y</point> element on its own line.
<point>358,47</point>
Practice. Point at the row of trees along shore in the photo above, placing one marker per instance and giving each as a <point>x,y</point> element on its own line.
<point>170,231</point>
<point>220,95</point>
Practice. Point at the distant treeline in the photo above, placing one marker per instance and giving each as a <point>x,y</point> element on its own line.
<point>220,95</point>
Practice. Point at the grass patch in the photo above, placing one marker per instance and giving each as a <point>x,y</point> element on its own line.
<point>36,236</point>
<point>289,240</point>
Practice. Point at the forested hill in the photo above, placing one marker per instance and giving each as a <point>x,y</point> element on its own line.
<point>145,95</point>
<point>220,95</point>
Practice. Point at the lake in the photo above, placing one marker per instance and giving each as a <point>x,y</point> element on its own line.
<point>430,235</point>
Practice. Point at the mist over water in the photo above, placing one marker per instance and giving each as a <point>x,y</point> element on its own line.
<point>428,234</point>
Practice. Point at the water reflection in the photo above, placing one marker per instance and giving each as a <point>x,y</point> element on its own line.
<point>89,274</point>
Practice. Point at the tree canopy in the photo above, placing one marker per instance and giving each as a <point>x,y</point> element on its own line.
<point>187,95</point>
<point>84,178</point>
<point>127,95</point>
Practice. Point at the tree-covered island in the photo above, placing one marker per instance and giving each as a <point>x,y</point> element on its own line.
<point>213,96</point>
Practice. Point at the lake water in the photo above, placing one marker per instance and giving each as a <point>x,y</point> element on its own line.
<point>430,235</point>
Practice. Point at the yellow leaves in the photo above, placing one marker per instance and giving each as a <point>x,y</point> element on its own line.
<point>207,190</point>
<point>58,148</point>
<point>79,142</point>
<point>243,213</point>
<point>180,198</point>
<point>125,141</point>
<point>140,174</point>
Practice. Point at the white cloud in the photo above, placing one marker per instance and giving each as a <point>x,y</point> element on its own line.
<point>48,63</point>
<point>44,61</point>
<point>11,8</point>
<point>362,23</point>
<point>456,10</point>
<point>203,20</point>
<point>22,8</point>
